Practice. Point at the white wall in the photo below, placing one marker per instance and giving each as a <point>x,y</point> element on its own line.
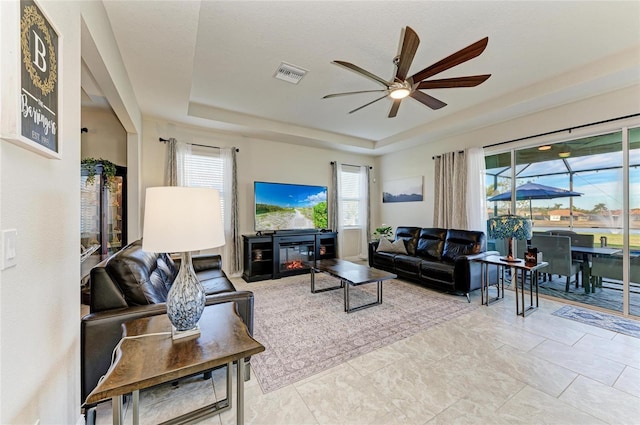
<point>39,308</point>
<point>418,161</point>
<point>257,160</point>
<point>105,137</point>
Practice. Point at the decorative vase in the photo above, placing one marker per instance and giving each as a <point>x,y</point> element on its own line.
<point>186,298</point>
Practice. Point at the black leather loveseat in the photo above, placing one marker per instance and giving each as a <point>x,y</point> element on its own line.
<point>439,257</point>
<point>134,283</point>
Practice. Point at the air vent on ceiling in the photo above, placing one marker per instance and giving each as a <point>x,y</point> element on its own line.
<point>289,73</point>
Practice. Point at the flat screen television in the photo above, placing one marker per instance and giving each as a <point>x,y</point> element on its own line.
<point>285,206</point>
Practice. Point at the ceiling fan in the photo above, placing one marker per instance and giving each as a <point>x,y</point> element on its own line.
<point>402,86</point>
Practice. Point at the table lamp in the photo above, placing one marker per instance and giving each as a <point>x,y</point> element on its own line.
<point>509,227</point>
<point>183,219</point>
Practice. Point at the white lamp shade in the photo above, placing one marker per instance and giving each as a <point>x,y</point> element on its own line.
<point>182,219</point>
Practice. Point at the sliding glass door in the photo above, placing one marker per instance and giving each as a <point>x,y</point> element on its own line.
<point>586,190</point>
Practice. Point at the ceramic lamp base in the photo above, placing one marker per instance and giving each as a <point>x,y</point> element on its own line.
<point>186,298</point>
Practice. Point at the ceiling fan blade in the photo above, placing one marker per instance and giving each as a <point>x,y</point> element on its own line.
<point>352,92</point>
<point>430,101</point>
<point>394,108</point>
<point>365,105</point>
<point>445,83</point>
<point>362,72</point>
<point>450,61</point>
<point>407,52</point>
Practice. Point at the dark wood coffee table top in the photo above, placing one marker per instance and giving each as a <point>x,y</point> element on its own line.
<point>356,274</point>
<point>155,359</point>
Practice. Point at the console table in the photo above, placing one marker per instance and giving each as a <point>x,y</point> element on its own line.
<point>148,356</point>
<point>285,253</point>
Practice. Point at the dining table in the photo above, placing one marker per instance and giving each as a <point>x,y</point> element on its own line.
<point>583,253</point>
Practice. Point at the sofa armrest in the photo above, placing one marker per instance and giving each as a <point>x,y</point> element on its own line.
<point>468,272</point>
<point>373,246</point>
<point>202,262</point>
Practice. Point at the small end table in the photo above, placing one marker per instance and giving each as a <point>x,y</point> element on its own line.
<point>519,266</point>
<point>148,356</point>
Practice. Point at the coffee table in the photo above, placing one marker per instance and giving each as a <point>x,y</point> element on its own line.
<point>350,274</point>
<point>148,356</point>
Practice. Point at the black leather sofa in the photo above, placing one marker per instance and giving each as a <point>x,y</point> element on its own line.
<point>134,283</point>
<point>438,257</point>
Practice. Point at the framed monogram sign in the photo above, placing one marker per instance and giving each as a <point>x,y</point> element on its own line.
<point>30,80</point>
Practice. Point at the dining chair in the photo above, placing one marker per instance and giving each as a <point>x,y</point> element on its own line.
<point>556,250</point>
<point>578,239</point>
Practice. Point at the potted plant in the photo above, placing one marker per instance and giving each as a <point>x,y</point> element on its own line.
<point>90,165</point>
<point>383,231</point>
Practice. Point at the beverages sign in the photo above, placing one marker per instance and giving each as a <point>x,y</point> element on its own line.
<point>39,77</point>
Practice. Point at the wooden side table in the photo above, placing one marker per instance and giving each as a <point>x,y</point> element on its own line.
<point>519,266</point>
<point>148,356</point>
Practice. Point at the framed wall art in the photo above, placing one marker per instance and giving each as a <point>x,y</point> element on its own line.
<point>30,79</point>
<point>402,190</point>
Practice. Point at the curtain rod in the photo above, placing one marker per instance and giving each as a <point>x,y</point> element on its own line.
<point>569,129</point>
<point>195,144</point>
<point>352,165</point>
<point>438,156</point>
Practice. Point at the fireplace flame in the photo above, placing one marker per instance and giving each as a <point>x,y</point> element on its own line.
<point>294,265</point>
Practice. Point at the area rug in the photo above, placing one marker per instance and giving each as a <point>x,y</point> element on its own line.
<point>601,320</point>
<point>306,333</point>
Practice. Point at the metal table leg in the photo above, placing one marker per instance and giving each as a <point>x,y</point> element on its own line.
<point>240,390</point>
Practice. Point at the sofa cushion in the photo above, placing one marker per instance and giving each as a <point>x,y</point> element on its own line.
<point>383,260</point>
<point>131,268</point>
<point>395,247</point>
<point>159,281</point>
<point>410,237</point>
<point>168,266</point>
<point>462,242</point>
<point>439,271</point>
<point>431,243</point>
<point>216,285</point>
<point>407,263</point>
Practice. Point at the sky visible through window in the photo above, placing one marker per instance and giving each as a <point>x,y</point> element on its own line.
<point>598,185</point>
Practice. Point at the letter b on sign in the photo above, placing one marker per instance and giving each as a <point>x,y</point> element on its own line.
<point>39,53</point>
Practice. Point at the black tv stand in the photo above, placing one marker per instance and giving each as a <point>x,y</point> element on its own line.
<point>285,252</point>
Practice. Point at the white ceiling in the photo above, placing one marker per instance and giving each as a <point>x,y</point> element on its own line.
<point>211,63</point>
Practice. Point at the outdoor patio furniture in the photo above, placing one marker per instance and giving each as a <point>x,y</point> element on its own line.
<point>611,267</point>
<point>556,250</point>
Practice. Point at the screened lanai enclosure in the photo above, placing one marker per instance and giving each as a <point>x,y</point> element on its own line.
<point>604,170</point>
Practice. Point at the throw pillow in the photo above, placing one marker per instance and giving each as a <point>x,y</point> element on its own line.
<point>397,247</point>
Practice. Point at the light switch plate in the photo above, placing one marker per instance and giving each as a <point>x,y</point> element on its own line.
<point>8,256</point>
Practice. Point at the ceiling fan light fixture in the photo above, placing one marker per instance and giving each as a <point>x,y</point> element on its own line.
<point>400,93</point>
<point>564,154</point>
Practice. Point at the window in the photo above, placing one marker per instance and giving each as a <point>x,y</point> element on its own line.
<point>350,189</point>
<point>204,167</point>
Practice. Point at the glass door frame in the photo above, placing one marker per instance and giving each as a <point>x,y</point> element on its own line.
<point>624,126</point>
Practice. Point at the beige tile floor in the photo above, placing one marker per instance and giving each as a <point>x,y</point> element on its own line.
<point>487,367</point>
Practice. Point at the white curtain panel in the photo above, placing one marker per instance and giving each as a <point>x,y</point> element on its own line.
<point>476,194</point>
<point>181,151</point>
<point>450,191</point>
<point>231,250</point>
<point>365,212</point>
<point>336,211</point>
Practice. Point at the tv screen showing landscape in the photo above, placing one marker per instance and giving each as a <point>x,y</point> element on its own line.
<point>284,206</point>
